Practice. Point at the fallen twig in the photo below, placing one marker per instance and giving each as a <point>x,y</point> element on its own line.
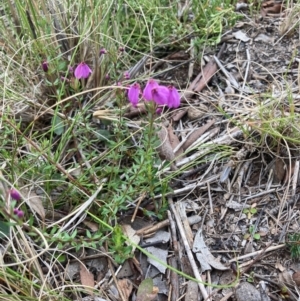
<point>188,251</point>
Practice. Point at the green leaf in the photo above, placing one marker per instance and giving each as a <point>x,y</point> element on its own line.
<point>253,210</point>
<point>53,230</point>
<point>58,125</point>
<point>256,236</point>
<point>62,65</point>
<point>61,257</point>
<point>4,229</point>
<point>74,234</point>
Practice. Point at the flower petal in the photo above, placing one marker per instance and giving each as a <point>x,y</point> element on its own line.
<point>82,71</point>
<point>147,94</point>
<point>174,98</point>
<point>160,95</point>
<point>134,93</point>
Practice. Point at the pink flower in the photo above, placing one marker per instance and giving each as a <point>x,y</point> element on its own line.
<point>160,95</point>
<point>134,93</point>
<point>127,75</point>
<point>82,71</point>
<point>19,213</point>
<point>103,51</point>
<point>151,84</point>
<point>174,98</point>
<point>159,110</point>
<point>15,194</point>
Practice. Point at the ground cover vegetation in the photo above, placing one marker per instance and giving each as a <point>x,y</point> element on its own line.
<point>83,121</point>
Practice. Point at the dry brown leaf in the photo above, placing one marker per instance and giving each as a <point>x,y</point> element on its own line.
<point>34,202</point>
<point>200,81</point>
<point>174,141</point>
<point>172,137</point>
<point>177,115</point>
<point>197,133</point>
<point>86,278</point>
<point>135,111</point>
<point>125,286</point>
<point>131,234</point>
<point>93,226</point>
<point>165,149</point>
<point>271,7</point>
<point>280,170</point>
<point>146,291</point>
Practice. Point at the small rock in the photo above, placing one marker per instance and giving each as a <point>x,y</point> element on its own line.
<point>247,292</point>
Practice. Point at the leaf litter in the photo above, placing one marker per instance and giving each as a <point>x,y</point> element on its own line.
<point>215,136</point>
<point>243,68</point>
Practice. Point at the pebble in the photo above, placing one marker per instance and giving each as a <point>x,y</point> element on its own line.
<point>247,292</point>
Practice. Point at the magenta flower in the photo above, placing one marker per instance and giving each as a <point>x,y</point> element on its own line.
<point>174,98</point>
<point>103,51</point>
<point>159,110</point>
<point>45,66</point>
<point>160,95</point>
<point>127,75</point>
<point>19,213</point>
<point>151,84</point>
<point>15,195</point>
<point>134,93</point>
<point>82,71</point>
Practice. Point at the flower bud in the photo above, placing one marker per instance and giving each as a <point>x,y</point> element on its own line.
<point>45,66</point>
<point>14,194</point>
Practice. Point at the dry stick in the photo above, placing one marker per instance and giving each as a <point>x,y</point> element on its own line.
<point>173,233</point>
<point>224,140</point>
<point>142,197</point>
<point>176,245</point>
<point>246,72</point>
<point>116,281</point>
<point>268,249</point>
<point>188,251</point>
<point>227,296</point>
<point>295,178</point>
<point>187,229</point>
<point>174,279</point>
<point>209,289</point>
<point>195,134</point>
<point>192,56</point>
<point>152,229</point>
<point>227,74</point>
<point>205,137</point>
<point>194,219</point>
<point>210,199</point>
<point>190,187</point>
